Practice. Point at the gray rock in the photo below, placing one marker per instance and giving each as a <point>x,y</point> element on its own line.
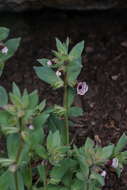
<point>22,5</point>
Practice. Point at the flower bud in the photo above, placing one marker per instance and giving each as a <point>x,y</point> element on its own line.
<point>115,163</point>
<point>103,173</point>
<point>4,50</point>
<point>58,73</point>
<point>49,63</point>
<point>31,127</point>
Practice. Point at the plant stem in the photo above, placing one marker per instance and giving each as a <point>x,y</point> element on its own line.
<point>16,180</point>
<point>18,155</point>
<point>65,104</point>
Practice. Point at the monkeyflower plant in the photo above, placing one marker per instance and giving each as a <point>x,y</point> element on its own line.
<point>39,153</point>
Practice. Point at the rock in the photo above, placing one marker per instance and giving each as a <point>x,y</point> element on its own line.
<point>22,5</point>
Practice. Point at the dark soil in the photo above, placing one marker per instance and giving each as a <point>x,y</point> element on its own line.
<point>104,69</point>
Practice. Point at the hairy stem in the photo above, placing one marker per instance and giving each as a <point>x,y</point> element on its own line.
<point>65,104</point>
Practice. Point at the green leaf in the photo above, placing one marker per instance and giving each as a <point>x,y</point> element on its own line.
<point>42,105</point>
<point>75,112</point>
<point>123,157</point>
<point>71,96</point>
<point>16,90</point>
<point>78,185</point>
<point>68,178</point>
<point>35,137</point>
<point>107,151</point>
<point>4,117</point>
<point>12,46</point>
<point>43,61</point>
<point>53,140</point>
<point>73,71</point>
<point>56,187</point>
<point>42,173</point>
<point>25,99</point>
<point>19,181</point>
<point>3,96</point>
<point>16,100</point>
<point>5,180</point>
<point>59,171</point>
<point>89,144</point>
<point>24,158</point>
<point>97,177</point>
<point>12,144</point>
<point>27,177</point>
<point>33,99</point>
<point>4,32</point>
<point>5,162</point>
<point>40,120</point>
<point>76,51</point>
<point>48,75</point>
<point>60,47</point>
<point>121,144</point>
<point>41,152</point>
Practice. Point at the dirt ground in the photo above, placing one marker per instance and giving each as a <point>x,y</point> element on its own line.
<point>104,69</point>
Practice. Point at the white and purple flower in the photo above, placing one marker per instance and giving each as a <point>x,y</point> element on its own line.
<point>58,73</point>
<point>103,173</point>
<point>115,163</point>
<point>49,63</point>
<point>31,127</point>
<point>4,50</point>
<point>82,88</point>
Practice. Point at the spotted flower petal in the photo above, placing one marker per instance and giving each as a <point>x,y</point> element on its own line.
<point>82,88</point>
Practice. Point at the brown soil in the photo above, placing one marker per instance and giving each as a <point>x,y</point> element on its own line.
<point>104,69</point>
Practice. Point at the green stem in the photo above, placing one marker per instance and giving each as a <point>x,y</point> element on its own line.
<point>16,180</point>
<point>30,173</point>
<point>65,104</point>
<point>18,155</point>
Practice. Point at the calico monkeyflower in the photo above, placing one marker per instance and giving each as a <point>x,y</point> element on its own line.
<point>82,88</point>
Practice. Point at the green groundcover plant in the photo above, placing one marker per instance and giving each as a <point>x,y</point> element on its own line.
<point>39,154</point>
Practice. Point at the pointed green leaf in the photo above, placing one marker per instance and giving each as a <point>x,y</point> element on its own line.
<point>41,152</point>
<point>16,90</point>
<point>75,112</point>
<point>43,61</point>
<point>48,75</point>
<point>97,177</point>
<point>4,32</point>
<point>121,144</point>
<point>3,96</point>
<point>76,50</point>
<point>42,173</point>
<point>5,180</point>
<point>71,96</point>
<point>40,120</point>
<point>12,144</point>
<point>12,46</point>
<point>33,99</point>
<point>60,47</point>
